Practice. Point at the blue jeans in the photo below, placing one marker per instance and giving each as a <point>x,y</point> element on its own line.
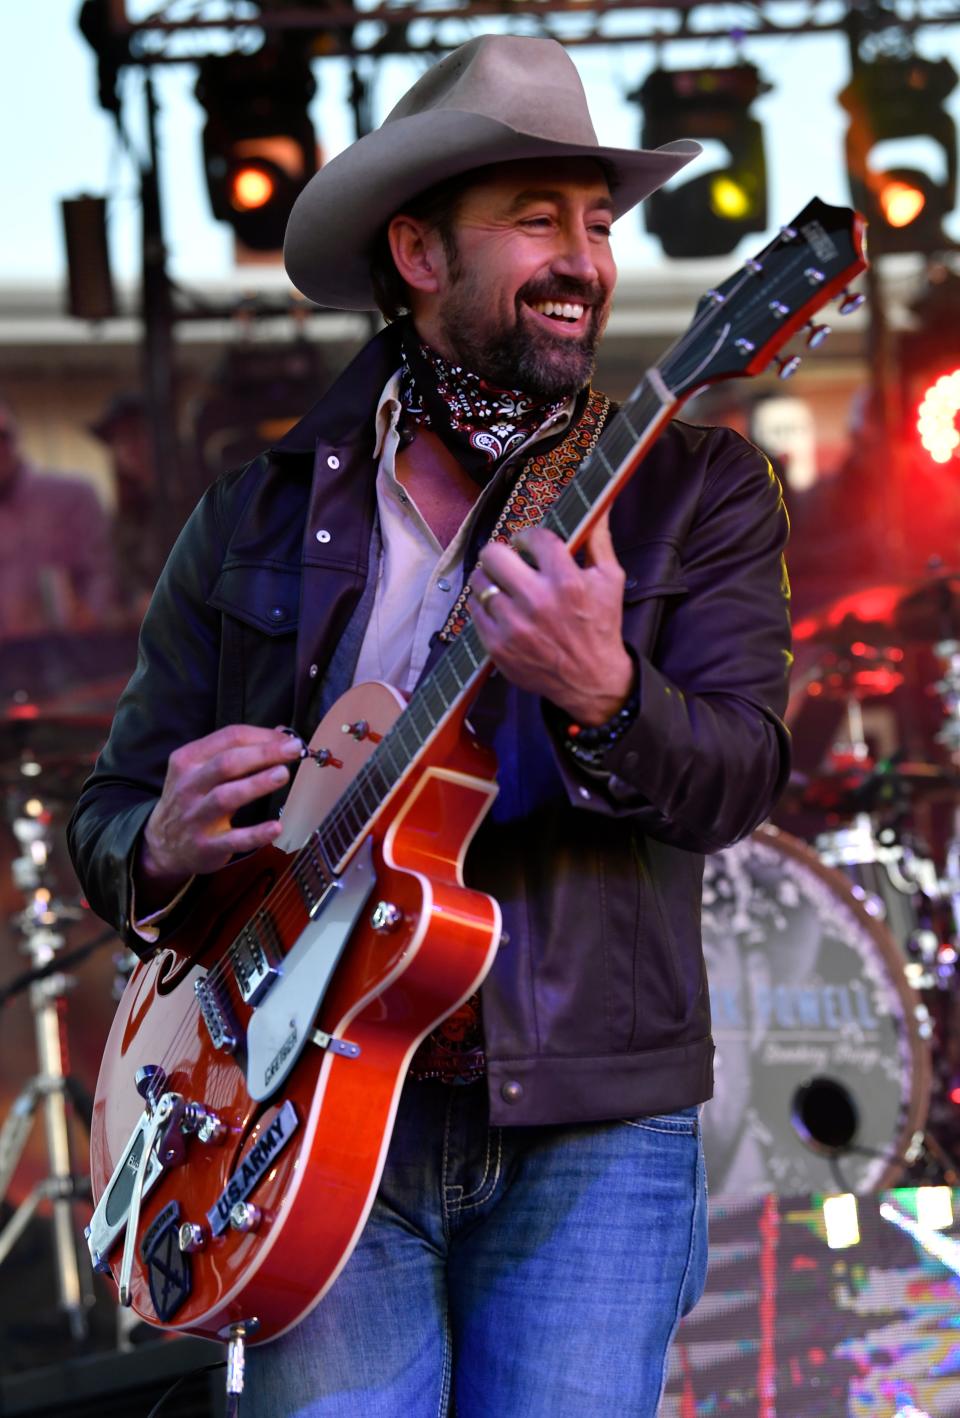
<point>534,1272</point>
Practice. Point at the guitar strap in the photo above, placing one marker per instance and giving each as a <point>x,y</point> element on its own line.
<point>453,1052</point>
<point>543,478</point>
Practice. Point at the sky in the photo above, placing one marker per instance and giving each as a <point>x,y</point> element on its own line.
<point>58,143</point>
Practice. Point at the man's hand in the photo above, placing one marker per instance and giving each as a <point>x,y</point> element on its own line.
<point>189,831</point>
<point>556,628</point>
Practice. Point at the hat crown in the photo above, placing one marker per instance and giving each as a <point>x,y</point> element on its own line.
<point>531,85</point>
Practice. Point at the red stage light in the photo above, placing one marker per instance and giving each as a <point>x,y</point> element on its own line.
<point>937,417</point>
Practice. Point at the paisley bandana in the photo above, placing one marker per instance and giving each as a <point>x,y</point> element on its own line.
<point>480,424</point>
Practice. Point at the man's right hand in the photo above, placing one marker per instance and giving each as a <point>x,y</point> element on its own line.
<point>190,830</point>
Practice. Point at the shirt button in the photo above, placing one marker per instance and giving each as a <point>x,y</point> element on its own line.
<point>584,792</point>
<point>512,1091</point>
<point>313,671</point>
<point>323,535</point>
<point>333,462</point>
<point>443,584</point>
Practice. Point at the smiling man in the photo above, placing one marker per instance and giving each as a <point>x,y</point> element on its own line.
<point>540,1226</point>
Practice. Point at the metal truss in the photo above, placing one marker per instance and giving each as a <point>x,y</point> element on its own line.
<point>183,30</point>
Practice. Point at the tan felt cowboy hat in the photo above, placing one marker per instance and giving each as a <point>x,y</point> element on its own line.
<point>495,99</point>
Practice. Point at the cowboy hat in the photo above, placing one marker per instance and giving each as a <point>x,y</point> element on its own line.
<point>496,99</point>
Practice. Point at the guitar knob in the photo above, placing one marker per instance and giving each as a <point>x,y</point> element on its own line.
<point>359,730</point>
<point>244,1216</point>
<point>851,301</point>
<point>386,917</point>
<point>191,1237</point>
<point>817,335</point>
<point>322,756</point>
<point>786,367</point>
<point>149,1081</point>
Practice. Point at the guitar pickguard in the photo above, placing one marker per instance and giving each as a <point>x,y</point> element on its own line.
<point>283,1022</point>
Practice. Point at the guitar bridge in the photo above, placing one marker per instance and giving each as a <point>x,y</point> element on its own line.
<point>216,1015</point>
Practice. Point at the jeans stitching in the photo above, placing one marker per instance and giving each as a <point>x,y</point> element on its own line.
<point>496,1175</point>
<point>678,1131</point>
<point>694,1219</point>
<point>445,1187</point>
<point>483,1180</point>
<point>446,1369</point>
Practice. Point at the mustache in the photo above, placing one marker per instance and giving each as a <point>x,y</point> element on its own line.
<point>562,288</point>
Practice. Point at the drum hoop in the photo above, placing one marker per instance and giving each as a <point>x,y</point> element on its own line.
<point>921,1065</point>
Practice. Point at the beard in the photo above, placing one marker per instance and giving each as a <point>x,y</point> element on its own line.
<point>521,354</point>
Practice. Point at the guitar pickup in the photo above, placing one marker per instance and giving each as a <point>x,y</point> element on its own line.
<point>253,969</point>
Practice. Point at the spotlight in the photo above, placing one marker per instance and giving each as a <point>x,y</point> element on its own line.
<point>890,99</point>
<point>259,146</point>
<point>708,214</point>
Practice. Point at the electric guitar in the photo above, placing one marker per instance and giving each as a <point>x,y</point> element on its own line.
<point>251,1077</point>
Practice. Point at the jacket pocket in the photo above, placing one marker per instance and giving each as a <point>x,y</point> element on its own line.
<point>658,979</point>
<point>653,570</point>
<point>264,597</point>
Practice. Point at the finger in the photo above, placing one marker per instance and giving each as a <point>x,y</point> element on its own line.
<point>243,839</point>
<point>599,545</point>
<point>545,548</point>
<point>230,736</point>
<point>226,798</point>
<point>234,763</point>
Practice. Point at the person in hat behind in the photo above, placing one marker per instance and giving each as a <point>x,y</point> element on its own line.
<point>540,1226</point>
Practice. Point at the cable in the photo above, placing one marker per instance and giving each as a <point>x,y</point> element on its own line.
<point>192,1374</point>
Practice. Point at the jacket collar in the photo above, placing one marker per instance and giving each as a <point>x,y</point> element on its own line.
<point>346,406</point>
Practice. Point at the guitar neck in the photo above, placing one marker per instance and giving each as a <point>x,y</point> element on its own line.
<point>452,684</point>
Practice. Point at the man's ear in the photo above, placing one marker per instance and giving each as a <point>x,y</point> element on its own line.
<point>414,248</point>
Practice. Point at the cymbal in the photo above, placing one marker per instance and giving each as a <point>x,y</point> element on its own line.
<point>68,728</point>
<point>871,787</point>
<point>892,614</point>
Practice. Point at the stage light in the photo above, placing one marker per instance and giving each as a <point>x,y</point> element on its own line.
<point>706,214</point>
<point>937,417</point>
<point>889,100</point>
<point>259,146</point>
<point>841,1221</point>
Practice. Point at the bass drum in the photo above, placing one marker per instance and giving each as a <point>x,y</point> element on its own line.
<point>823,1071</point>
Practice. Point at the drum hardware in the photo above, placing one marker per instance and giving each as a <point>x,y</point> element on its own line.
<point>51,1087</point>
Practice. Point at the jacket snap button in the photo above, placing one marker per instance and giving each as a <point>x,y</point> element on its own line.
<point>278,613</point>
<point>313,671</point>
<point>323,535</point>
<point>333,462</point>
<point>512,1091</point>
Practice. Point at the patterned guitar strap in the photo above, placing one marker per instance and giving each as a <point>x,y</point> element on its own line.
<point>453,1052</point>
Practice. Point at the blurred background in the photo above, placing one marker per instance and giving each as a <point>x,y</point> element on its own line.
<point>149,339</point>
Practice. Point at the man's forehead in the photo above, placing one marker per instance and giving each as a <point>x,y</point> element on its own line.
<point>573,177</point>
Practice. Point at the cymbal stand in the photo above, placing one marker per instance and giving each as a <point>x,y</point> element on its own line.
<point>38,924</point>
<point>948,690</point>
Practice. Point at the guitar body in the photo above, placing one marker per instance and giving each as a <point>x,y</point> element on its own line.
<point>325,1129</point>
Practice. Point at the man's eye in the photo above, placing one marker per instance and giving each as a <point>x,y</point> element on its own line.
<point>601,229</point>
<point>537,221</point>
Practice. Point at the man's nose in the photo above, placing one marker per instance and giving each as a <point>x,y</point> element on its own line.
<point>575,256</point>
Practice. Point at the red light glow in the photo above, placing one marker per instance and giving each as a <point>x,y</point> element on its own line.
<point>937,417</point>
<point>250,188</point>
<point>901,203</point>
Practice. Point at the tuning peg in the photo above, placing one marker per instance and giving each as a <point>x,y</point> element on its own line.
<point>851,301</point>
<point>817,335</point>
<point>786,367</point>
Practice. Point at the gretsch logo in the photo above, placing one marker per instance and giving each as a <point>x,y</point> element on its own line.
<point>822,245</point>
<point>284,1052</point>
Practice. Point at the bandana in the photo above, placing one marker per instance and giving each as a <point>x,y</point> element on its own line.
<point>479,423</point>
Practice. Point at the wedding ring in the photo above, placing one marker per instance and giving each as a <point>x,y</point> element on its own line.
<point>488,593</point>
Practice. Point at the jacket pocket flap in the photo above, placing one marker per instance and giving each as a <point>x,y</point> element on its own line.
<point>652,570</point>
<point>267,597</point>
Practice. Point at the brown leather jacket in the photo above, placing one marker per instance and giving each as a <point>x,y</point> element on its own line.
<point>597,1005</point>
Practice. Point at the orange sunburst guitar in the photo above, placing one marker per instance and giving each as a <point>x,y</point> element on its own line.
<point>252,1074</point>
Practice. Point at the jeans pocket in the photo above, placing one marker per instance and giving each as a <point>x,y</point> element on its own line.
<point>685,1121</point>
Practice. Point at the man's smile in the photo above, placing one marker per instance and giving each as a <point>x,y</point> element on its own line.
<point>570,318</point>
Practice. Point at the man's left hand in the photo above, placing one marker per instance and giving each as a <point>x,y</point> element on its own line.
<point>556,628</point>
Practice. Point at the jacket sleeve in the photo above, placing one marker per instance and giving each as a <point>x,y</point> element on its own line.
<point>169,700</point>
<point>708,754</point>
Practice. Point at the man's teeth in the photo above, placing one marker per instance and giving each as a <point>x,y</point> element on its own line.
<point>565,311</point>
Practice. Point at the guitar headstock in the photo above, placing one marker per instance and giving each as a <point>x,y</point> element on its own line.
<point>739,327</point>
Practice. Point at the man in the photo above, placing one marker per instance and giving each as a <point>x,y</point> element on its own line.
<point>139,550</point>
<point>540,1226</point>
<point>55,570</point>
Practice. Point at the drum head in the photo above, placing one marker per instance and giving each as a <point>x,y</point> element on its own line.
<point>822,1077</point>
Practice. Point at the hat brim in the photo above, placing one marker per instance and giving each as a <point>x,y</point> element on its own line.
<point>338,214</point>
